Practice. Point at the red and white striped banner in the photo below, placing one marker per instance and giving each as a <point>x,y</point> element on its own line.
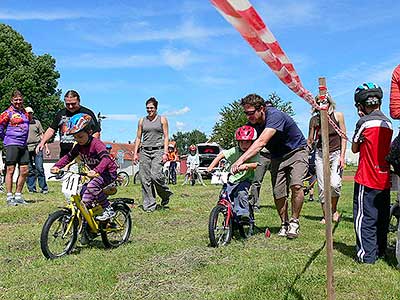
<point>242,15</point>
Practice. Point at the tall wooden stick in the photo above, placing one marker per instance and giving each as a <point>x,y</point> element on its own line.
<point>327,191</point>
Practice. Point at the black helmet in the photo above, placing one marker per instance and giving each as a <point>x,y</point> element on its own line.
<point>368,94</point>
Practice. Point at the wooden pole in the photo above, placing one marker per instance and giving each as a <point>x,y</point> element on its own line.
<point>327,190</point>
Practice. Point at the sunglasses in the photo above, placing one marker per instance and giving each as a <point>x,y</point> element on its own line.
<point>250,112</point>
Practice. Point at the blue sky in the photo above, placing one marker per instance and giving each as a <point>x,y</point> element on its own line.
<point>117,54</point>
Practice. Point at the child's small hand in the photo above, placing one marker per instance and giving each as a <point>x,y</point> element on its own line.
<point>54,170</point>
<point>243,167</point>
<point>92,174</point>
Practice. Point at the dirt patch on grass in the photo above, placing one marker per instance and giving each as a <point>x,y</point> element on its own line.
<point>348,178</point>
<point>166,277</point>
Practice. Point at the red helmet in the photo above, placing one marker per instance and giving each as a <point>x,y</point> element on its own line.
<point>246,133</point>
<point>192,148</point>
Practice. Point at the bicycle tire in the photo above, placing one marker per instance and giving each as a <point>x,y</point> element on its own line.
<point>117,230</point>
<point>136,178</point>
<point>393,230</point>
<point>49,238</point>
<point>123,178</point>
<point>220,233</point>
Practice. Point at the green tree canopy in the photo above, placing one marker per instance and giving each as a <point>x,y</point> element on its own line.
<point>232,117</point>
<point>35,76</point>
<point>185,139</point>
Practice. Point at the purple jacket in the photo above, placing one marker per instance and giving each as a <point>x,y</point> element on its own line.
<point>14,127</point>
<point>94,155</point>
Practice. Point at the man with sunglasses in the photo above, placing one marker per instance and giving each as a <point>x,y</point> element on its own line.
<point>60,121</point>
<point>279,133</point>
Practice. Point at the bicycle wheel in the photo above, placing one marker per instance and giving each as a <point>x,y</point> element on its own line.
<point>117,230</point>
<point>219,232</point>
<point>136,178</point>
<point>394,223</point>
<point>122,178</point>
<point>59,234</point>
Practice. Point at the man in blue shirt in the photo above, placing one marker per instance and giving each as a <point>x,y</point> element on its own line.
<point>289,157</point>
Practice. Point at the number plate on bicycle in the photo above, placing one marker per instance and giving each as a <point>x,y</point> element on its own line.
<point>70,185</point>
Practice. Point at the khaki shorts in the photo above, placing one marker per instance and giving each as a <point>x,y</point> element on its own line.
<point>288,171</point>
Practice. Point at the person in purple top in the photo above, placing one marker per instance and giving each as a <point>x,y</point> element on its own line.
<point>93,153</point>
<point>14,129</point>
<point>289,158</point>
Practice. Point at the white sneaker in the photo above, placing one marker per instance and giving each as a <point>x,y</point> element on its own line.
<point>108,213</point>
<point>19,200</point>
<point>283,231</point>
<point>293,229</point>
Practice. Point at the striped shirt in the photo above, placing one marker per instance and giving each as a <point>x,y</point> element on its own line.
<point>374,133</point>
<point>395,94</point>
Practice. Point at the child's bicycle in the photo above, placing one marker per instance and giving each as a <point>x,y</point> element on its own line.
<point>192,176</point>
<point>61,229</point>
<point>223,221</point>
<point>394,221</point>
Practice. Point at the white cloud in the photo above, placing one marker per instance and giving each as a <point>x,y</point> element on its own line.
<point>180,125</point>
<point>41,15</point>
<point>177,112</point>
<point>173,58</point>
<point>135,34</point>
<point>120,117</point>
<point>176,59</point>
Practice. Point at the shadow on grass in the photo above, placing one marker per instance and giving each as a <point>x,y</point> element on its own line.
<point>318,218</point>
<point>350,251</point>
<point>291,290</point>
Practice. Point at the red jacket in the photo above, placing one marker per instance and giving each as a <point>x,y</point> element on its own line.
<point>395,94</point>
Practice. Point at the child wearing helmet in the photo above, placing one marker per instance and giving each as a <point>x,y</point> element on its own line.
<point>172,158</point>
<point>239,183</point>
<point>93,153</point>
<point>193,160</point>
<point>371,202</point>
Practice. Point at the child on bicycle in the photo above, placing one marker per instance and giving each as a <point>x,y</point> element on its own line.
<point>239,184</point>
<point>93,153</point>
<point>371,202</point>
<point>172,158</point>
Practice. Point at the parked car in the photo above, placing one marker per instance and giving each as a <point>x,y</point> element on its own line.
<point>207,153</point>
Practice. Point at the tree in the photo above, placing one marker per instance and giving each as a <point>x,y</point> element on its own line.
<point>285,106</point>
<point>185,139</point>
<point>232,117</point>
<point>35,76</point>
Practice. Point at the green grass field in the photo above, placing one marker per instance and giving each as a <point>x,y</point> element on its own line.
<point>168,256</point>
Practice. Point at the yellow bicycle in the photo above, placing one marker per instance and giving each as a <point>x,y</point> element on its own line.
<point>62,227</point>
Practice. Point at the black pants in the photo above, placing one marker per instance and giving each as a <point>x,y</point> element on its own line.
<point>371,210</point>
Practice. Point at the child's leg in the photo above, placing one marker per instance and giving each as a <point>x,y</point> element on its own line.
<point>241,198</point>
<point>365,216</point>
<point>93,193</point>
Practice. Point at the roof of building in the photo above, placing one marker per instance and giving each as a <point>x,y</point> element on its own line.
<point>126,147</point>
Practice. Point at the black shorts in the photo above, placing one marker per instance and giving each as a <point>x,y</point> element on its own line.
<point>16,155</point>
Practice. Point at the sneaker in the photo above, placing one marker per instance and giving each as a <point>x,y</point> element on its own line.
<point>108,213</point>
<point>165,202</point>
<point>283,231</point>
<point>245,219</point>
<point>11,201</point>
<point>311,199</point>
<point>44,191</point>
<point>293,229</point>
<point>20,200</point>
<point>32,191</point>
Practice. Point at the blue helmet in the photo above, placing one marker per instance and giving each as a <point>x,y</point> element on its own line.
<point>79,122</point>
<point>108,146</point>
<point>368,94</point>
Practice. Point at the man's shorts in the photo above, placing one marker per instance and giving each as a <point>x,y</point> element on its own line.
<point>288,171</point>
<point>16,155</point>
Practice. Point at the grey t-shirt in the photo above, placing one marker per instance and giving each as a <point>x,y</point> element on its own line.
<point>153,134</point>
<point>35,134</point>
